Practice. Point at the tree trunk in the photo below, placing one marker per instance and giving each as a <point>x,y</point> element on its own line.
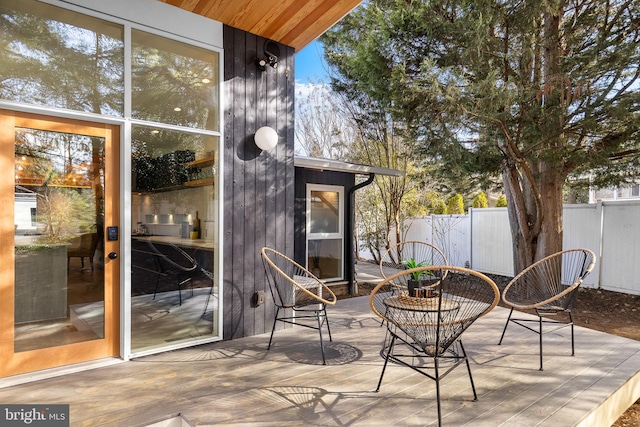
<point>533,186</point>
<point>535,213</point>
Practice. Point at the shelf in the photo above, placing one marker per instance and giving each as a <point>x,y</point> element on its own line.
<point>201,163</point>
<point>199,182</point>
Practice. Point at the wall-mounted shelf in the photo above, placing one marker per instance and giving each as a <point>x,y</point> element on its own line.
<point>196,165</point>
<point>199,182</point>
<point>201,163</point>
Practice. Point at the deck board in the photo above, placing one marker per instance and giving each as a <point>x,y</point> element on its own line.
<point>240,383</point>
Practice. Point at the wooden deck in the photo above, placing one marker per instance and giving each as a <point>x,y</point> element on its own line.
<point>239,382</point>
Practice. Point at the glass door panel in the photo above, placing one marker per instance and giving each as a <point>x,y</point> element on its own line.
<point>63,292</point>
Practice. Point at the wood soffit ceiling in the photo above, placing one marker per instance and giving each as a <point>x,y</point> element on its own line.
<point>294,23</point>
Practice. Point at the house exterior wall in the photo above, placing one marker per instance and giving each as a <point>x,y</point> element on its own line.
<point>258,186</point>
<point>302,178</point>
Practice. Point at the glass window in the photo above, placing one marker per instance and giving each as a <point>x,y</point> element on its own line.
<point>174,83</point>
<point>325,213</point>
<point>58,58</point>
<point>174,208</point>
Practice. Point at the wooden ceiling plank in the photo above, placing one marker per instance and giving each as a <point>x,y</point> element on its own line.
<point>276,16</point>
<point>293,23</point>
<point>312,27</point>
<point>289,19</point>
<point>189,5</point>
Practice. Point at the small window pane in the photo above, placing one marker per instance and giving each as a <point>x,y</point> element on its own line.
<point>174,83</point>
<point>58,58</point>
<point>325,211</point>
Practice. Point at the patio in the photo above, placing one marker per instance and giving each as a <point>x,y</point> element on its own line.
<point>241,383</point>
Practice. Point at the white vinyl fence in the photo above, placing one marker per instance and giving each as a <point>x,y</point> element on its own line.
<point>481,240</point>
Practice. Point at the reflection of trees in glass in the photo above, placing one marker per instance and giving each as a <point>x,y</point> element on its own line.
<point>65,172</point>
<point>174,82</point>
<point>47,61</point>
<point>52,158</point>
<point>64,211</point>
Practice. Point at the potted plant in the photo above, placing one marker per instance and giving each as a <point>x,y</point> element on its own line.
<point>418,278</point>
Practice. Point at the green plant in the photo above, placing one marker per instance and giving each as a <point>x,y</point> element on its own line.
<point>455,205</point>
<point>501,202</point>
<point>480,201</point>
<point>412,263</point>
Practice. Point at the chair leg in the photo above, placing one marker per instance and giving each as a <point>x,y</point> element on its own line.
<point>274,327</point>
<point>326,319</point>
<point>540,333</point>
<point>466,359</point>
<point>573,351</point>
<point>505,326</point>
<point>318,314</point>
<point>437,378</point>
<point>386,360</point>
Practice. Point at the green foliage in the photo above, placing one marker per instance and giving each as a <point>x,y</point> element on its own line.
<point>538,98</point>
<point>440,208</point>
<point>480,201</point>
<point>455,205</point>
<point>63,211</point>
<point>411,263</point>
<point>501,202</point>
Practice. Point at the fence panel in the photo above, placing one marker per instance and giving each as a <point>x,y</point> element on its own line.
<point>491,244</point>
<point>483,239</point>
<point>581,226</point>
<point>621,247</point>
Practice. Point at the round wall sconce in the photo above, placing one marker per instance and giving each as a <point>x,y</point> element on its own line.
<point>266,138</point>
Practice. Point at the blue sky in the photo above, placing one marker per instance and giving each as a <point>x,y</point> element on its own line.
<point>310,64</point>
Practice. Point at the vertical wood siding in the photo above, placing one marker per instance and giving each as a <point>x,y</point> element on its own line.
<point>258,192</point>
<point>342,179</point>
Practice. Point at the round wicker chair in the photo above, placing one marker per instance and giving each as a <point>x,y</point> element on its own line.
<point>297,293</point>
<point>425,331</point>
<point>548,288</point>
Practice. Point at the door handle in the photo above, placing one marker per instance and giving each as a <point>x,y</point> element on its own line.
<point>112,255</point>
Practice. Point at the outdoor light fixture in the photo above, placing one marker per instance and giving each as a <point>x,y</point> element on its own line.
<point>272,52</point>
<point>266,138</point>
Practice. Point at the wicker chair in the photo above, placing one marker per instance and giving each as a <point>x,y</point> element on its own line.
<point>548,287</point>
<point>297,293</point>
<point>429,327</point>
<point>399,256</point>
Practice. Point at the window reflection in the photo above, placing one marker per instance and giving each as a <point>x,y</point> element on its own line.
<point>173,82</point>
<point>174,209</point>
<point>59,281</point>
<point>58,58</point>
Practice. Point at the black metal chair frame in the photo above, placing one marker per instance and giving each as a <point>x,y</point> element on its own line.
<point>162,273</point>
<point>562,302</point>
<point>452,350</point>
<point>312,307</point>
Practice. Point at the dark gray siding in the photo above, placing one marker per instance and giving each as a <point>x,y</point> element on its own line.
<point>258,199</point>
<point>342,179</point>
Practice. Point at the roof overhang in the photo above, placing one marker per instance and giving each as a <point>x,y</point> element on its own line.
<point>338,166</point>
<point>294,23</point>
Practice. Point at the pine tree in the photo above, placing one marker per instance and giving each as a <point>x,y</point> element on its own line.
<point>480,201</point>
<point>531,92</point>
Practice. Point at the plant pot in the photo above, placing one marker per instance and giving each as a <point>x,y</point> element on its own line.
<point>420,288</point>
